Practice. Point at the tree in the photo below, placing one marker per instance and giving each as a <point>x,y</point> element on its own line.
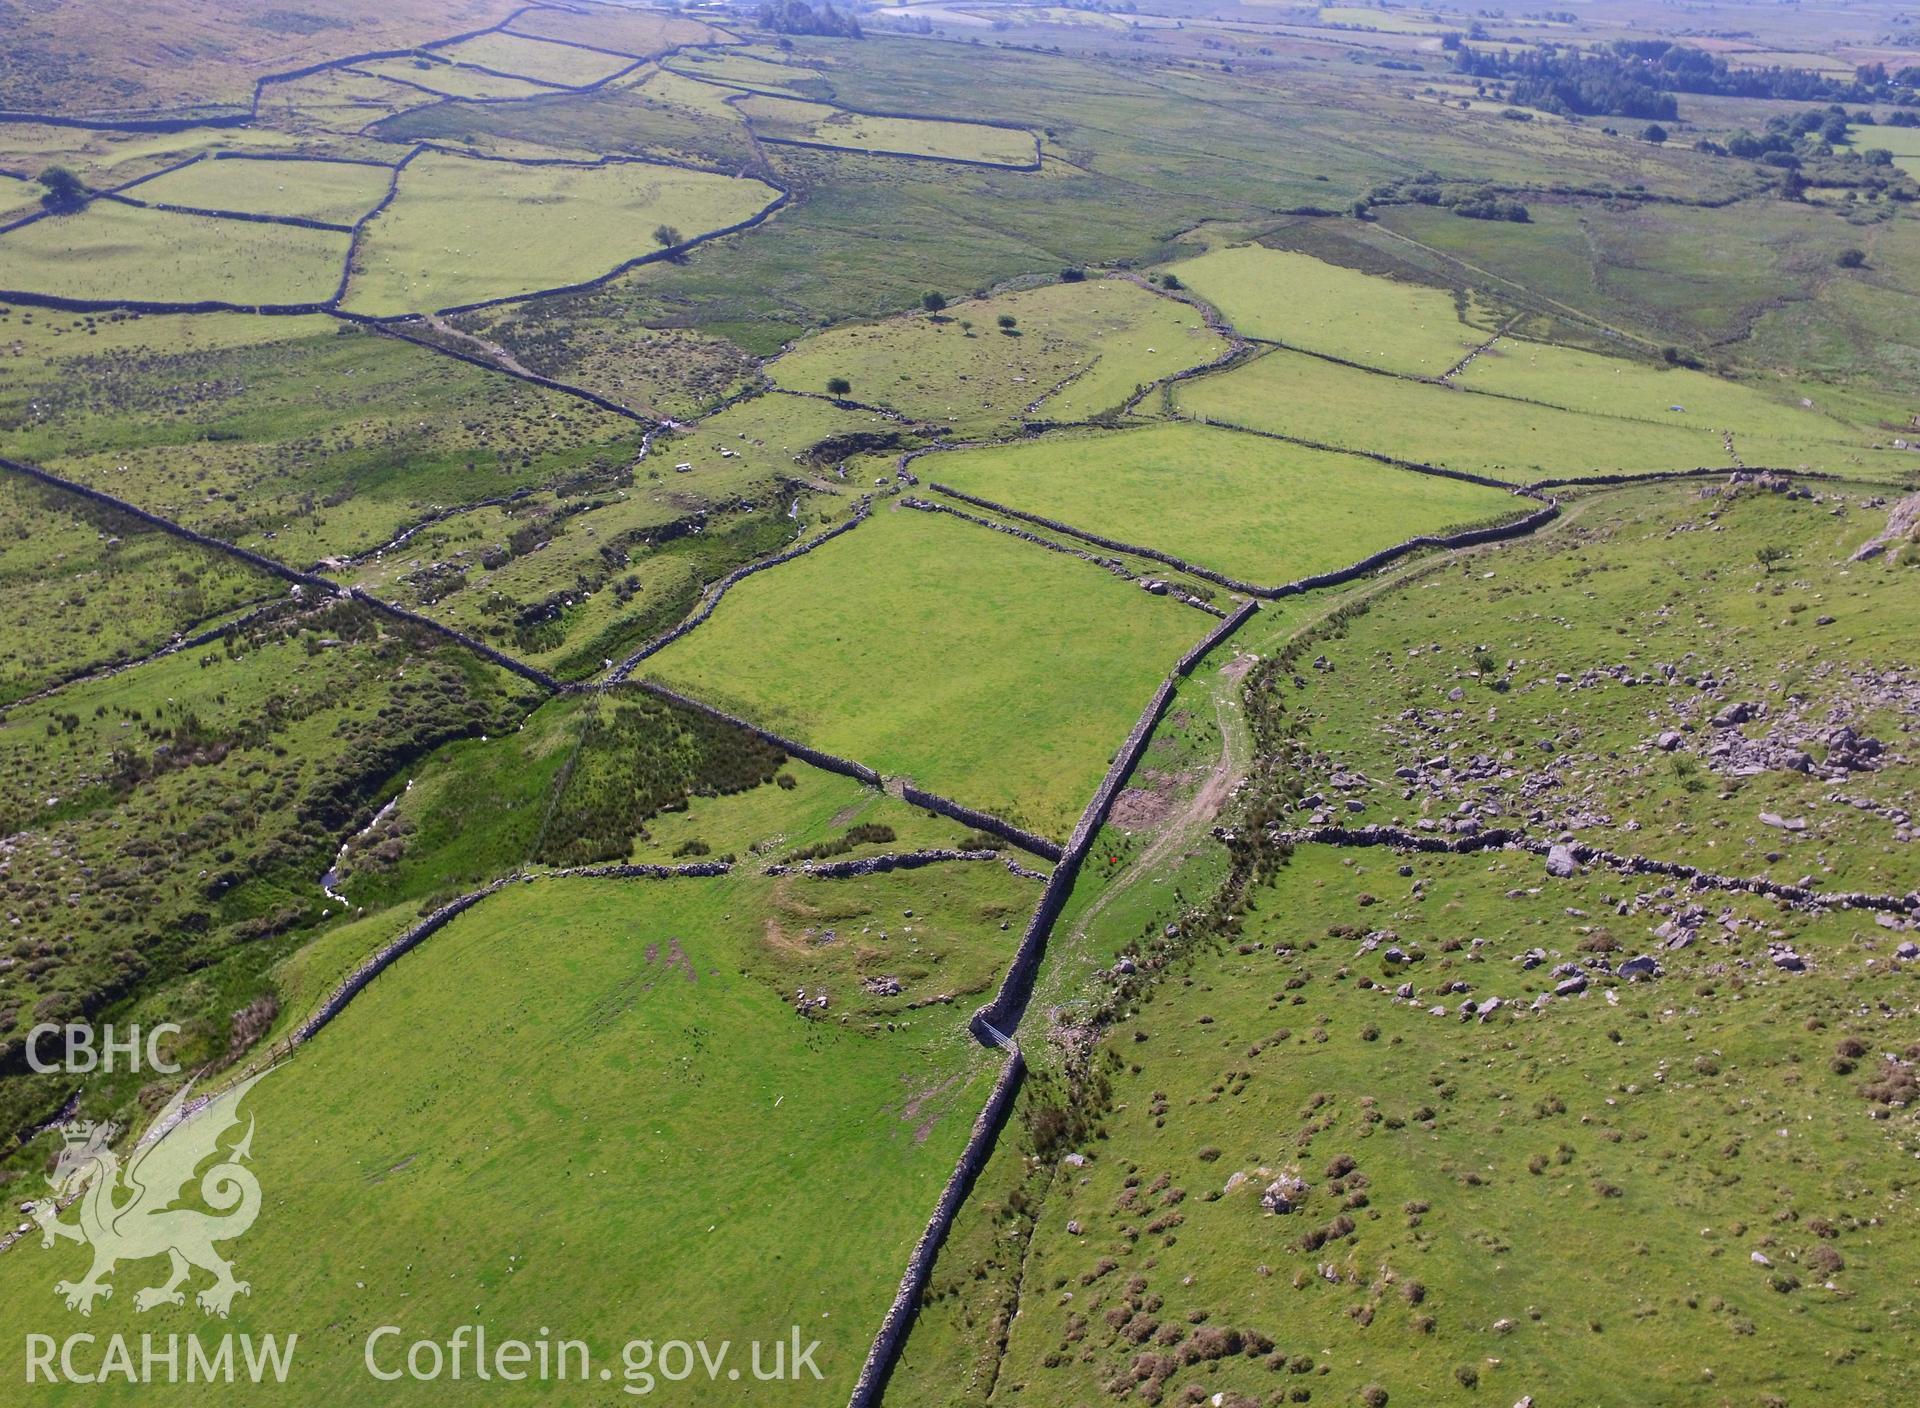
<point>1770,556</point>
<point>666,236</point>
<point>933,302</point>
<point>1851,258</point>
<point>1008,322</point>
<point>838,386</point>
<point>64,193</point>
<point>1654,133</point>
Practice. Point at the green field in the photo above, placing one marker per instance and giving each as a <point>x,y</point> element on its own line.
<point>1257,509</point>
<point>461,231</point>
<point>1319,307</point>
<point>954,139</point>
<point>449,79</point>
<point>535,59</point>
<point>1289,393</point>
<point>337,192</point>
<point>742,70</point>
<point>112,251</point>
<point>1082,350</point>
<point>427,1163</point>
<point>924,640</point>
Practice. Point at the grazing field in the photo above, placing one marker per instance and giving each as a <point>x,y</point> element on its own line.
<point>1767,429</point>
<point>1708,1177</point>
<point>923,639</point>
<point>564,64</point>
<point>1903,142</point>
<point>1257,509</point>
<point>1075,350</point>
<point>111,252</point>
<point>947,139</point>
<point>1320,307</point>
<point>1289,393</point>
<point>335,191</point>
<point>450,80</point>
<point>425,1128</point>
<point>747,70</point>
<point>462,231</point>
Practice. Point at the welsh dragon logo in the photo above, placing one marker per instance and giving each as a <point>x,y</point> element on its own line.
<point>129,1214</point>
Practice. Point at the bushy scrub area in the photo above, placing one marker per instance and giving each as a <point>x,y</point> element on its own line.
<point>302,438</point>
<point>1069,351</point>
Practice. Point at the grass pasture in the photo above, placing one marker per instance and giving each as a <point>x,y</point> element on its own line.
<point>946,139</point>
<point>111,252</point>
<point>742,70</point>
<point>1903,142</point>
<point>1257,509</point>
<point>535,59</point>
<point>1290,393</point>
<point>1082,349</point>
<point>338,192</point>
<point>1307,303</point>
<point>462,231</point>
<point>1767,429</point>
<point>981,667</point>
<point>427,70</point>
<point>461,1174</point>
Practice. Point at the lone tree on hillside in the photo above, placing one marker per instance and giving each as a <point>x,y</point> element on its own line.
<point>838,386</point>
<point>666,236</point>
<point>1850,258</point>
<point>1654,133</point>
<point>64,193</point>
<point>933,302</point>
<point>1770,556</point>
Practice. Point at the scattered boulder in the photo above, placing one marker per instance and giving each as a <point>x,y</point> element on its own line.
<point>1560,863</point>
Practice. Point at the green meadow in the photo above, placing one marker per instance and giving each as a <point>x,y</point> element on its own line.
<point>1258,509</point>
<point>907,136</point>
<point>461,230</point>
<point>112,251</point>
<point>1290,393</point>
<point>427,1164</point>
<point>977,665</point>
<point>535,58</point>
<point>335,191</point>
<point>1310,304</point>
